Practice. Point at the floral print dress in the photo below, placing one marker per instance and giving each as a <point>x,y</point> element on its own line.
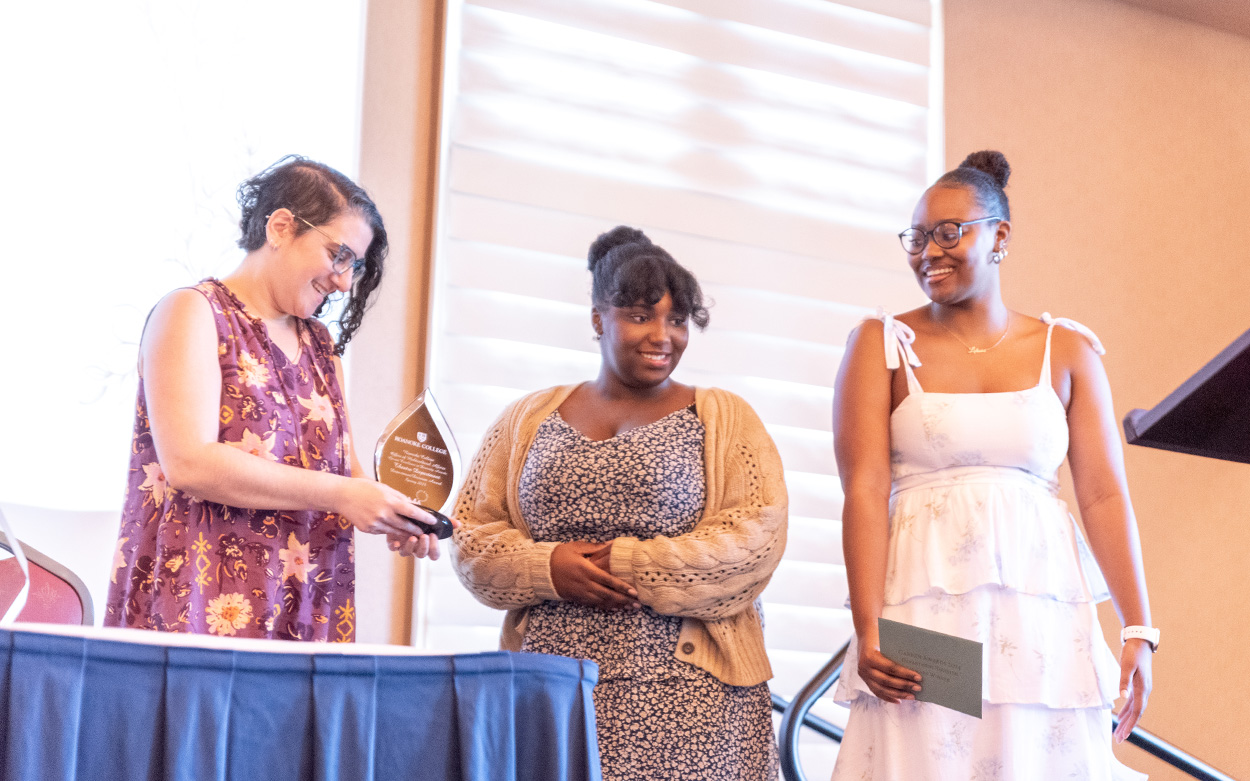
<point>982,547</point>
<point>658,717</point>
<point>183,564</point>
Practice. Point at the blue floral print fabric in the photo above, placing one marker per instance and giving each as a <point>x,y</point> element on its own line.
<point>658,716</point>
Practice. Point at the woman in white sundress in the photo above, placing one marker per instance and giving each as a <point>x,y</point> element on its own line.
<point>950,424</point>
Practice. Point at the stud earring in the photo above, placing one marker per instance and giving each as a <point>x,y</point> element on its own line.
<point>998,255</point>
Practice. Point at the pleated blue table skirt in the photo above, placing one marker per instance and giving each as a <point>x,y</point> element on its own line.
<point>82,708</point>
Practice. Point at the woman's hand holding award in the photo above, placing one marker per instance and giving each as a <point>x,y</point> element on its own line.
<point>417,456</point>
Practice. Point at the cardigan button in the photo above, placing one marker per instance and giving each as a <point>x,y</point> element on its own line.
<point>687,648</point>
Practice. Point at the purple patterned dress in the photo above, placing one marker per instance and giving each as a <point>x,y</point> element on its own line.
<point>183,564</point>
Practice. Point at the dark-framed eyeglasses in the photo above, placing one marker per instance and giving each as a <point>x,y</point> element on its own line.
<point>945,234</point>
<point>344,257</point>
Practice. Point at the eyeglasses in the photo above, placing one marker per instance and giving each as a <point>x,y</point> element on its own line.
<point>945,234</point>
<point>344,257</point>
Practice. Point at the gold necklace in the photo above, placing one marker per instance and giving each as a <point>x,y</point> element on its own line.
<point>974,350</point>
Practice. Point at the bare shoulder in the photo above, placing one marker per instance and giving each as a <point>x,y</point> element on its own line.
<point>865,361</point>
<point>871,329</point>
<point>865,344</point>
<point>180,322</point>
<point>1073,354</point>
<point>184,305</point>
<point>1071,347</point>
<point>183,314</point>
<point>1028,326</point>
<point>915,318</point>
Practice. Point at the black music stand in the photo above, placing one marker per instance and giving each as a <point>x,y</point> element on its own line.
<point>1208,415</point>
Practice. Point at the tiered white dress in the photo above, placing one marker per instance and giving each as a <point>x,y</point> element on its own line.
<point>981,547</point>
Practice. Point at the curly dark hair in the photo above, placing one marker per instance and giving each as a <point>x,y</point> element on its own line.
<point>986,174</point>
<point>317,193</point>
<point>628,268</point>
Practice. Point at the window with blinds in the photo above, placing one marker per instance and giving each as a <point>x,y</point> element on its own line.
<point>137,119</point>
<point>774,147</point>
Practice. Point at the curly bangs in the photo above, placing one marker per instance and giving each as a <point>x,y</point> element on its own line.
<point>646,276</point>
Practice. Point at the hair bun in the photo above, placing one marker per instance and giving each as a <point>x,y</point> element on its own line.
<point>618,236</point>
<point>990,162</point>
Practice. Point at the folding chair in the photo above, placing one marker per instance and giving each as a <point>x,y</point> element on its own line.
<point>57,596</point>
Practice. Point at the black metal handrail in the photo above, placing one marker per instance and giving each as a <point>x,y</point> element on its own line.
<point>795,715</point>
<point>1186,763</point>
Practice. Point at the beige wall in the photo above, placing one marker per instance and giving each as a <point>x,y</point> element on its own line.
<point>1129,133</point>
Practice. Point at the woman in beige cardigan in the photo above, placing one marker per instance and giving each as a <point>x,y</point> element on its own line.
<point>634,520</point>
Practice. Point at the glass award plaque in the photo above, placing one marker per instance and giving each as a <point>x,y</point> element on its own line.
<point>417,456</point>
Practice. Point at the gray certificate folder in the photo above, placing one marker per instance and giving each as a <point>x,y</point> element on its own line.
<point>949,666</point>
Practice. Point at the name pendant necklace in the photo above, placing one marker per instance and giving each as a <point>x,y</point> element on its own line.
<point>976,350</point>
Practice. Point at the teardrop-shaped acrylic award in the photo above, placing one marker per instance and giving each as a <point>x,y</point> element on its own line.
<point>417,456</point>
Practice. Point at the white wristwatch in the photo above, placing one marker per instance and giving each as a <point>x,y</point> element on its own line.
<point>1147,633</point>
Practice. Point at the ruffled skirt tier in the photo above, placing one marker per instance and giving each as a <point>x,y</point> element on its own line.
<point>991,555</point>
<point>916,741</point>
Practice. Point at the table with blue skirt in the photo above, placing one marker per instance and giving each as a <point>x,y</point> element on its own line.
<point>80,703</point>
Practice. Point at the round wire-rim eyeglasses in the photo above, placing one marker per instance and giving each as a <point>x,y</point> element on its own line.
<point>344,256</point>
<point>945,234</point>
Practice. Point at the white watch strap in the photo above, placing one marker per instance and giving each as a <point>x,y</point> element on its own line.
<point>1147,633</point>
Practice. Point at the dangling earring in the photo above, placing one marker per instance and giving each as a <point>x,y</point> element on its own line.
<point>596,337</point>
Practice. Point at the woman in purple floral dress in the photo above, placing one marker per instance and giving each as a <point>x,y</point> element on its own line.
<point>244,489</point>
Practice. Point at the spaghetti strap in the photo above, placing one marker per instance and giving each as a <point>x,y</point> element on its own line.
<point>898,350</point>
<point>1073,325</point>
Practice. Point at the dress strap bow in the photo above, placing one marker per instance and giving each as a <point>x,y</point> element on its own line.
<point>1075,326</point>
<point>898,340</point>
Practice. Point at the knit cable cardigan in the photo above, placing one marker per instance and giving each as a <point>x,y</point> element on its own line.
<point>710,577</point>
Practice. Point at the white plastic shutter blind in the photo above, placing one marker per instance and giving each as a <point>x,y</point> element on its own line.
<point>774,147</point>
